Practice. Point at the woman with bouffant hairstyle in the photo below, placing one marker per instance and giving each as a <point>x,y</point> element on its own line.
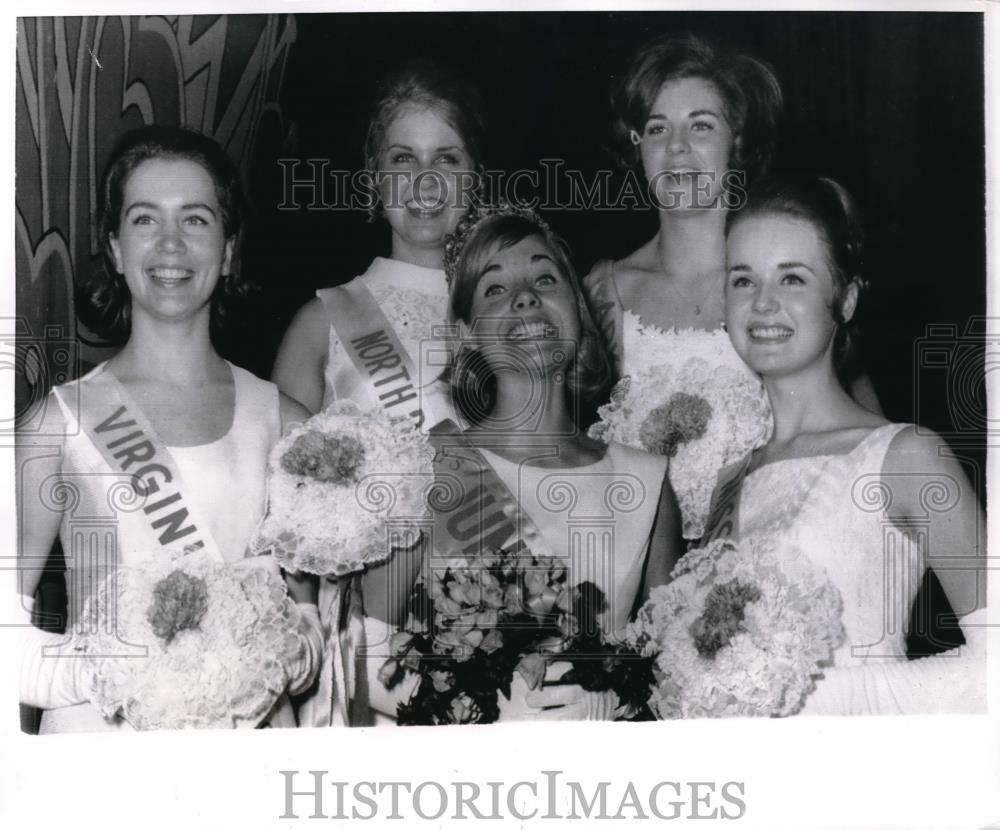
<point>699,120</point>
<point>527,361</point>
<point>473,384</point>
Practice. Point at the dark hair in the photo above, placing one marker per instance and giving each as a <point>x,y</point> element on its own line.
<point>750,91</point>
<point>104,301</point>
<point>829,208</point>
<point>434,86</point>
<point>472,381</point>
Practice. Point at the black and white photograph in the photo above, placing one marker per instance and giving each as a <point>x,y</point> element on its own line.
<point>607,385</point>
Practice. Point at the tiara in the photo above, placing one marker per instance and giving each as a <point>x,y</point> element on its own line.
<point>454,243</point>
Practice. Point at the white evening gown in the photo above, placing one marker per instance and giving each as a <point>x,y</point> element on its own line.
<point>660,362</point>
<point>226,479</point>
<point>833,508</point>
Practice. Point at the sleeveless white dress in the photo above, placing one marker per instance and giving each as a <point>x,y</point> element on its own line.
<point>597,518</point>
<point>415,301</point>
<point>226,479</point>
<point>658,362</point>
<point>834,508</point>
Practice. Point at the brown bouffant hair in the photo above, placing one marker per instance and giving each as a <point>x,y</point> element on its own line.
<point>749,89</point>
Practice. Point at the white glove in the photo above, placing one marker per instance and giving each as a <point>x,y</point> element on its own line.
<point>569,702</point>
<point>49,682</point>
<point>304,665</point>
<point>952,682</point>
<point>381,699</point>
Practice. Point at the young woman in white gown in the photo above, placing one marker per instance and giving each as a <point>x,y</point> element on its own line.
<point>873,503</point>
<point>170,224</point>
<point>528,359</point>
<point>698,122</point>
<point>424,153</point>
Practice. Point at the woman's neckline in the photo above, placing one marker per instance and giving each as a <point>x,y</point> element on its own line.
<point>526,463</point>
<point>232,418</point>
<point>825,455</point>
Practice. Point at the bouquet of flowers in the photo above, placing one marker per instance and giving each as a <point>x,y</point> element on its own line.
<point>703,416</point>
<point>213,636</point>
<point>335,481</point>
<point>474,623</point>
<point>738,632</point>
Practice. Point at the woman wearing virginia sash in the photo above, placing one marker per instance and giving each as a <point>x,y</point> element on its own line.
<point>166,411</point>
<point>871,502</point>
<point>370,340</point>
<point>528,366</point>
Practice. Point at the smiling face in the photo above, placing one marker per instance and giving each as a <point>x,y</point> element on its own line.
<point>425,173</point>
<point>686,144</point>
<point>170,245</point>
<point>780,293</point>
<point>523,303</point>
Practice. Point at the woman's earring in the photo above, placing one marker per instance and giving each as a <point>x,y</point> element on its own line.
<point>635,138</point>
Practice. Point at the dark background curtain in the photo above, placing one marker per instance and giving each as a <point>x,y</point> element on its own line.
<point>889,104</point>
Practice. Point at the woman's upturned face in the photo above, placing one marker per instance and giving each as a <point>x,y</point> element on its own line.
<point>779,294</point>
<point>686,145</point>
<point>426,179</point>
<point>525,309</point>
<point>170,245</point>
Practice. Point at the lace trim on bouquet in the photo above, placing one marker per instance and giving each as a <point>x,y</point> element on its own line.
<point>188,643</point>
<point>701,415</point>
<point>345,488</point>
<point>739,631</point>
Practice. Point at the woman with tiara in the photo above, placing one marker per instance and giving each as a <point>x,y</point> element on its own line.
<point>423,152</point>
<point>527,362</point>
<point>698,122</point>
<point>166,412</point>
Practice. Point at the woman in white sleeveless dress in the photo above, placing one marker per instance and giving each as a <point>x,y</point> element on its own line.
<point>697,121</point>
<point>424,153</point>
<point>170,225</point>
<point>529,357</point>
<point>871,502</point>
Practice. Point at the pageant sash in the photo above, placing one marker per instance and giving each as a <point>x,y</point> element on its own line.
<point>474,512</point>
<point>385,369</point>
<point>724,514</point>
<point>379,358</point>
<point>129,444</point>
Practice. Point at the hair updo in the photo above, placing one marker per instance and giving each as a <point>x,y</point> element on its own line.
<point>433,86</point>
<point>829,208</point>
